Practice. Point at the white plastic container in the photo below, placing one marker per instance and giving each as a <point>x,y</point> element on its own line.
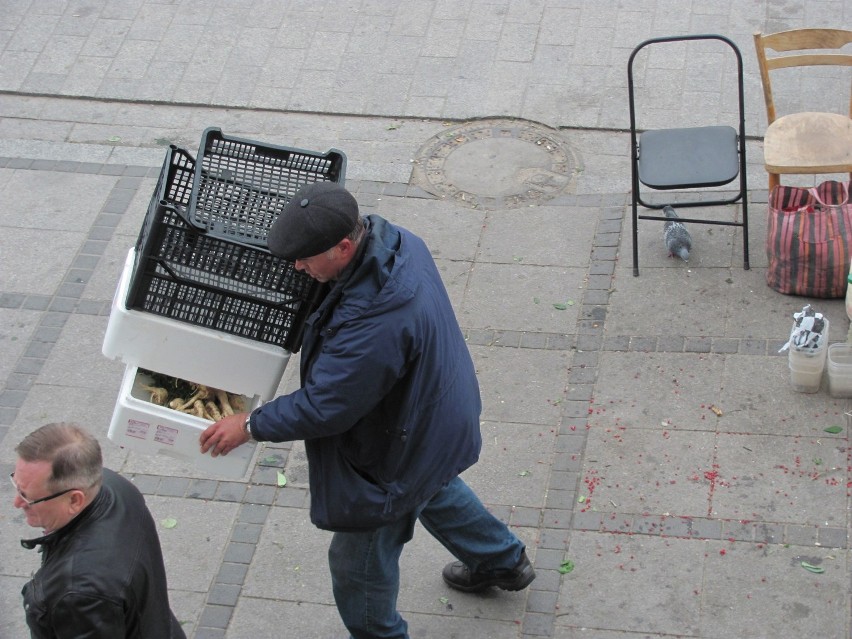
<point>805,380</point>
<point>807,365</point>
<point>190,352</point>
<point>141,425</point>
<point>840,369</point>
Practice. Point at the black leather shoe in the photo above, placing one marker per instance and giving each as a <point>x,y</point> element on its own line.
<point>457,575</point>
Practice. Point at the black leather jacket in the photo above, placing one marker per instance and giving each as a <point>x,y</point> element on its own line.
<point>102,575</point>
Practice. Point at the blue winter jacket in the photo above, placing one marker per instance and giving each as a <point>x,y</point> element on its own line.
<point>389,402</point>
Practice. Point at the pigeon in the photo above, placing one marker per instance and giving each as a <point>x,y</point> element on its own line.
<point>678,240</point>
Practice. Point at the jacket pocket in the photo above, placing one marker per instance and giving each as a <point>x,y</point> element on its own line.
<point>346,499</point>
<point>35,611</point>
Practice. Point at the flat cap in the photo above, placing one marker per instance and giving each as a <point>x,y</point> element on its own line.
<point>317,217</point>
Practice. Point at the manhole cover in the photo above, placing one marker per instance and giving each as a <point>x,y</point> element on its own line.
<point>495,164</point>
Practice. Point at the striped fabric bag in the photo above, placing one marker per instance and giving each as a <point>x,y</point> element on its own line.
<point>808,239</point>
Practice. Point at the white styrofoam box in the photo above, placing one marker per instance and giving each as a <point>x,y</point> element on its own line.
<point>190,352</point>
<point>141,425</point>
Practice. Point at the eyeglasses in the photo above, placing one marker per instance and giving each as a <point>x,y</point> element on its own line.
<point>37,501</point>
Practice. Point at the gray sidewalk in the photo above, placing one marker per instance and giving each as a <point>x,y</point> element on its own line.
<point>603,442</point>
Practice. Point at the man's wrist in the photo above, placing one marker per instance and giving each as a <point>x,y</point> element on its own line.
<point>247,427</point>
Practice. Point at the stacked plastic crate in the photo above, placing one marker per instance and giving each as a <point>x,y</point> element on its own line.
<point>202,299</point>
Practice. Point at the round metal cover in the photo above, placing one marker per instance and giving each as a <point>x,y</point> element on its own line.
<point>496,164</point>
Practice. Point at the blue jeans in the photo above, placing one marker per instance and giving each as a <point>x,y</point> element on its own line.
<point>365,565</point>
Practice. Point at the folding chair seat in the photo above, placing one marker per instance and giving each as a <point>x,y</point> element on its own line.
<point>814,140</point>
<point>687,158</point>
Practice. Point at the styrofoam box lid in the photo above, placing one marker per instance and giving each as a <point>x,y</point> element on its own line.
<point>190,352</point>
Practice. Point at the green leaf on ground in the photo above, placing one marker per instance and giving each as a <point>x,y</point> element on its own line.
<point>168,522</point>
<point>811,568</point>
<point>560,306</point>
<point>834,429</point>
<point>282,480</point>
<point>566,566</point>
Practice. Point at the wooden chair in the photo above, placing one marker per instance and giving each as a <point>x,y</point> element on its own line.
<point>808,142</point>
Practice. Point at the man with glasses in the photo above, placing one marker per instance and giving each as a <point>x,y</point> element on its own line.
<point>102,574</point>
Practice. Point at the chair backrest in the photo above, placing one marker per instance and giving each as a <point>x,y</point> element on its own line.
<point>661,70</point>
<point>800,48</point>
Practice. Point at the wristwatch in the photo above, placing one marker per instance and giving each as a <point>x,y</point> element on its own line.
<point>247,427</point>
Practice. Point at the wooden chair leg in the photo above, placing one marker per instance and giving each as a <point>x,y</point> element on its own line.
<point>774,180</point>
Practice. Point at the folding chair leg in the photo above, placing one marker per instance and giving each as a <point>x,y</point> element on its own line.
<point>746,265</point>
<point>635,240</point>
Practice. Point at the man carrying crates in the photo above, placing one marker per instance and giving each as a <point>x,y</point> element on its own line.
<point>388,408</point>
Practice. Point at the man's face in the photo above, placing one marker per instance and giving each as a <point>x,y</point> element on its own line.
<point>323,267</point>
<point>30,478</point>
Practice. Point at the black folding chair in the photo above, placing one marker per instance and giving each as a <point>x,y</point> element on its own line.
<point>688,158</point>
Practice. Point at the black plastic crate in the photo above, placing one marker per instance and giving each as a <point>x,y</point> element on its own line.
<point>174,187</point>
<point>186,273</point>
<point>241,186</point>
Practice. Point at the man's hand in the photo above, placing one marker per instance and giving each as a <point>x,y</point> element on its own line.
<point>225,435</point>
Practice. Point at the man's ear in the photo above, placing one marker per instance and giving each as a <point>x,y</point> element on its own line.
<point>346,246</point>
<point>78,501</point>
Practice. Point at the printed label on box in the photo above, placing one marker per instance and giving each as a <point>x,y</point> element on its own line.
<point>137,429</point>
<point>166,435</point>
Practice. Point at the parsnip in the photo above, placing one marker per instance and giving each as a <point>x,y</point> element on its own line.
<point>201,393</point>
<point>212,411</point>
<point>237,402</point>
<point>224,404</point>
<point>159,395</point>
<point>198,408</point>
<point>194,399</point>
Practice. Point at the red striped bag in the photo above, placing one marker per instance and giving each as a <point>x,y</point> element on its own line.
<point>808,239</point>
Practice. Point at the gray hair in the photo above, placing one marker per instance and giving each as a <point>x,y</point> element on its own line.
<point>74,454</point>
<point>357,231</point>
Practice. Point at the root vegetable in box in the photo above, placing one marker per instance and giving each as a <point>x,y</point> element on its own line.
<point>191,398</point>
